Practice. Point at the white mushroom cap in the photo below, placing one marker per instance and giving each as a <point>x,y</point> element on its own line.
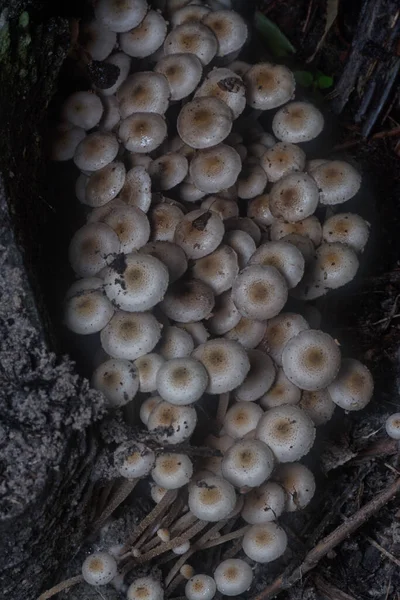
<point>171,255</point>
<point>65,140</point>
<point>303,244</point>
<point>191,13</point>
<point>123,62</point>
<point>148,366</point>
<point>244,224</point>
<point>147,407</point>
<point>120,16</point>
<point>233,577</point>
<point>211,498</point>
<point>200,587</point>
<point>130,225</point>
<point>264,543</point>
<point>95,151</point>
<point>248,463</point>
<point>92,247</point>
<point>172,471</point>
<point>288,431</point>
<point>294,197</point>
<point>282,392</point>
<point>347,228</point>
<point>242,243</point>
<point>259,292</point>
<point>204,122</point>
<point>240,67</point>
<point>298,483</point>
<point>82,109</point>
<point>145,587</point>
<point>146,38</point>
<point>318,405</point>
<point>87,312</point>
<point>175,343</point>
<point>187,301</point>
<point>392,426</point>
<point>268,85</point>
<point>335,265</point>
<point>193,38</point>
<point>309,227</point>
<point>247,332</point>
<point>279,331</point>
<point>157,492</point>
<point>171,423</point>
<point>218,269</point>
<point>229,28</point>
<point>225,315</point>
<point>143,92</point>
<point>337,180</point>
<point>130,335</point>
<point>111,115</point>
<point>136,282</point>
<point>182,380</point>
<point>264,504</point>
<point>213,464</point>
<point>143,132</point>
<point>199,233</point>
<point>197,330</point>
<point>139,160</point>
<point>226,362</point>
<point>285,257</point>
<point>183,72</point>
<point>97,39</point>
<point>228,87</point>
<point>224,207</point>
<point>215,169</point>
<point>99,568</point>
<point>241,418</point>
<point>164,218</point>
<point>134,460</point>
<point>282,159</point>
<point>137,188</point>
<point>297,122</point>
<point>353,387</point>
<point>189,192</point>
<point>314,163</point>
<point>259,379</point>
<point>105,184</point>
<point>84,285</point>
<point>311,360</point>
<point>251,182</point>
<point>168,170</point>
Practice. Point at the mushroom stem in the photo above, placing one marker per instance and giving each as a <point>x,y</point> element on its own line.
<point>183,523</point>
<point>223,404</point>
<point>165,522</point>
<point>120,495</point>
<point>226,538</point>
<point>177,541</point>
<point>63,585</point>
<point>103,497</point>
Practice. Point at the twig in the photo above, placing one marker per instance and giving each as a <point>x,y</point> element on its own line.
<point>63,585</point>
<point>330,591</point>
<point>337,536</point>
<point>381,549</point>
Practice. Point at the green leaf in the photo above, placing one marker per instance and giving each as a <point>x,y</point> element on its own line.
<point>304,78</point>
<point>276,41</point>
<point>324,81</point>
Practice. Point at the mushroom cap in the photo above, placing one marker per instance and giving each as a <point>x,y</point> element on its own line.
<point>145,587</point>
<point>164,218</point>
<point>182,380</point>
<point>285,257</point>
<point>204,122</point>
<point>297,122</point>
<point>215,169</point>
<point>168,170</point>
<point>213,464</point>
<point>335,265</point>
<point>268,86</point>
<point>259,379</point>
<point>347,228</point>
<point>123,63</point>
<point>241,418</point>
<point>200,587</point>
<point>392,426</point>
<point>264,504</point>
<point>157,492</point>
<point>242,243</point>
<point>147,407</point>
<point>224,207</point>
<point>192,13</point>
<point>92,248</point>
<point>247,332</point>
<point>259,292</point>
<point>172,471</point>
<point>65,140</point>
<point>211,498</point>
<point>118,380</point>
<point>193,38</point>
<point>143,132</point>
<point>175,343</point>
<point>188,192</point>
<point>199,233</point>
<point>279,331</point>
<point>282,392</point>
<point>197,330</point>
<point>172,424</point>
<point>105,184</point>
<point>146,38</point>
<point>136,282</point>
<point>218,269</point>
<point>318,405</point>
<point>188,301</point>
<point>229,28</point>
<point>131,226</point>
<point>137,188</point>
<point>282,159</point>
<point>134,460</point>
<point>353,387</point>
<point>99,568</point>
<point>143,92</point>
<point>244,224</point>
<point>248,463</point>
<point>251,182</point>
<point>294,197</point>
<point>183,72</point>
<point>111,115</point>
<point>226,85</point>
<point>264,543</point>
<point>171,255</point>
<point>303,244</point>
<point>240,67</point>
<point>311,360</point>
<point>130,335</point>
<point>84,285</point>
<point>337,180</point>
<point>97,39</point>
<point>298,483</point>
<point>82,109</point>
<point>120,16</point>
<point>233,577</point>
<point>226,362</point>
<point>225,315</point>
<point>95,151</point>
<point>309,228</point>
<point>148,366</point>
<point>87,312</point>
<point>288,431</point>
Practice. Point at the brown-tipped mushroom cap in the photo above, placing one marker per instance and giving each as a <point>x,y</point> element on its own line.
<point>194,38</point>
<point>282,392</point>
<point>259,292</point>
<point>168,170</point>
<point>309,227</point>
<point>215,169</point>
<point>204,122</point>
<point>230,29</point>
<point>353,387</point>
<point>283,256</point>
<point>279,331</point>
<point>297,122</point>
<point>143,92</point>
<point>183,72</point>
<point>146,38</point>
<point>335,265</point>
<point>120,16</point>
<point>143,132</point>
<point>218,269</point>
<point>188,301</point>
<point>199,233</point>
<point>227,86</point>
<point>282,159</point>
<point>268,85</point>
<point>347,228</point>
<point>294,197</point>
<point>226,362</point>
<point>337,180</point>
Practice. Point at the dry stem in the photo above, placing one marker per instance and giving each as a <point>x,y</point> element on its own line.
<point>63,585</point>
<point>120,495</point>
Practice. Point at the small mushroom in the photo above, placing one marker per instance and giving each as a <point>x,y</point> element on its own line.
<point>145,587</point>
<point>92,248</point>
<point>105,184</point>
<point>294,197</point>
<point>131,225</point>
<point>392,426</point>
<point>347,228</point>
<point>95,151</point>
<point>285,257</point>
<point>99,568</point>
<point>247,332</point>
<point>96,39</point>
<point>82,109</point>
<point>227,86</point>
<point>353,387</point>
<point>241,419</point>
<point>282,159</point>
<point>143,132</point>
<point>172,424</point>
<point>318,405</point>
<point>259,292</point>
<point>309,228</point>
<point>264,543</point>
<point>168,170</point>
<point>172,471</point>
<point>282,392</point>
<point>215,169</point>
<point>248,463</point>
<point>199,233</point>
<point>200,587</point>
<point>148,366</point>
<point>175,343</point>
<point>146,38</point>
<point>119,16</point>
<point>335,265</point>
<point>225,315</point>
<point>229,28</point>
<point>211,498</point>
<point>258,210</point>
<point>87,312</point>
<point>164,218</point>
<point>188,301</point>
<point>264,504</point>
<point>137,188</point>
<point>226,362</point>
<point>259,379</point>
<point>182,380</point>
<point>337,180</point>
<point>218,269</point>
<point>122,62</point>
<point>130,335</point>
<point>204,122</point>
<point>298,483</point>
<point>233,577</point>
<point>268,86</point>
<point>242,243</point>
<point>193,38</point>
<point>183,73</point>
<point>297,122</point>
<point>279,331</point>
<point>171,255</point>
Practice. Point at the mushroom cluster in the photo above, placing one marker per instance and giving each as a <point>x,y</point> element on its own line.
<point>201,233</point>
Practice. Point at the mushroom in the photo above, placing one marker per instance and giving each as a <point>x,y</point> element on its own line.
<point>87,312</point>
<point>215,169</point>
<point>193,13</point>
<point>288,431</point>
<point>147,407</point>
<point>200,587</point>
<point>146,38</point>
<point>111,115</point>
<point>168,170</point>
<point>99,568</point>
<point>95,151</point>
<point>188,301</point>
<point>92,248</point>
<point>240,67</point>
<point>335,265</point>
<point>218,269</point>
<point>199,233</point>
<point>130,335</point>
<point>105,184</point>
<point>241,418</point>
<point>251,182</point>
<point>183,73</point>
<point>148,366</point>
<point>347,228</point>
<point>82,109</point>
<point>172,471</point>
<point>248,463</point>
<point>189,192</point>
<point>282,392</point>
<point>120,16</point>
<point>285,257</point>
<point>268,86</point>
<point>318,405</point>
<point>392,426</point>
<point>172,424</point>
<point>311,360</point>
<point>96,39</point>
<point>259,292</point>
<point>337,180</point>
<point>197,331</point>
<point>259,379</point>
<point>294,197</point>
<point>175,343</point>
<point>233,577</point>
<point>123,63</point>
<point>309,228</point>
<point>298,483</point>
<point>244,224</point>
<point>282,159</point>
<point>242,243</point>
<point>297,122</point>
<point>204,122</point>
<point>145,587</point>
<point>193,38</point>
<point>134,460</point>
<point>164,218</point>
<point>211,498</point>
<point>353,387</point>
<point>157,493</point>
<point>130,225</point>
<point>222,206</point>
<point>229,28</point>
<point>143,92</point>
<point>264,543</point>
<point>137,188</point>
<point>303,244</point>
<point>171,255</point>
<point>264,504</point>
<point>225,315</point>
<point>247,332</point>
<point>226,363</point>
<point>143,131</point>
<point>279,331</point>
<point>182,380</point>
<point>65,140</point>
<point>227,86</point>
